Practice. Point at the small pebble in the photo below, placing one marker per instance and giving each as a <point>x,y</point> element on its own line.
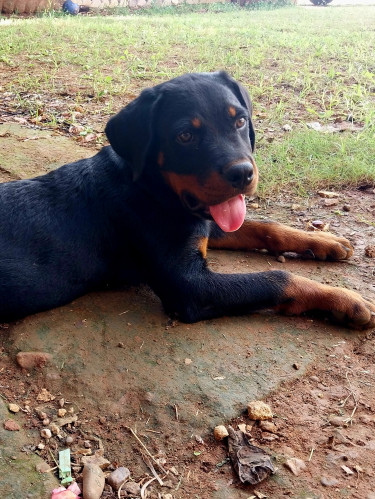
<point>61,413</point>
<point>220,432</point>
<point>61,402</point>
<point>102,420</point>
<point>41,446</point>
<point>69,440</point>
<point>118,477</point>
<point>132,489</point>
<point>46,422</point>
<point>93,481</point>
<point>87,444</point>
<point>11,425</point>
<point>54,429</point>
<point>329,482</point>
<point>346,207</point>
<point>188,362</point>
<point>268,426</point>
<point>287,127</point>
<point>259,410</point>
<point>42,415</point>
<point>14,408</point>
<point>30,360</point>
<point>295,465</point>
<point>281,259</point>
<point>45,433</point>
<point>296,366</point>
<point>42,467</point>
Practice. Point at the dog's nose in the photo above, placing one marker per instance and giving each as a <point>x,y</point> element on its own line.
<point>240,175</point>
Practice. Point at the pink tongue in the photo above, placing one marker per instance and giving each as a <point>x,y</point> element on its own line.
<point>229,215</point>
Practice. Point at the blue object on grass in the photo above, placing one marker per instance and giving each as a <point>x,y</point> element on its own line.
<point>70,7</point>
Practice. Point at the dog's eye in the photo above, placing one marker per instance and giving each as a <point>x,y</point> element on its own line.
<point>185,137</point>
<point>240,123</point>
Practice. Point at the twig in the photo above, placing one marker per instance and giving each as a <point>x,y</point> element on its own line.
<point>350,418</point>
<point>153,470</point>
<point>176,412</point>
<point>145,448</point>
<point>311,454</point>
<point>154,431</point>
<point>180,480</point>
<point>143,489</point>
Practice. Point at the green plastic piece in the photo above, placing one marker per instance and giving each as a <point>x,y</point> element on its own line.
<point>65,471</point>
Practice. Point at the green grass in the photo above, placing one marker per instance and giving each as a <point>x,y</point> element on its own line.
<point>299,64</point>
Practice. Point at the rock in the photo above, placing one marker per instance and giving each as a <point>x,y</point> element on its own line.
<point>328,194</point>
<point>30,360</point>
<point>132,489</point>
<point>370,251</point>
<point>61,413</point>
<point>287,128</point>
<point>281,259</point>
<point>96,459</point>
<point>331,202</point>
<point>258,410</point>
<point>347,470</point>
<point>87,444</point>
<point>11,425</point>
<point>167,496</point>
<point>339,421</point>
<point>45,396</point>
<point>46,433</point>
<point>69,440</point>
<point>346,207</point>
<point>42,415</point>
<point>67,420</point>
<point>14,408</point>
<point>41,446</point>
<point>54,429</point>
<point>46,422</point>
<point>329,482</point>
<point>295,465</point>
<point>93,481</point>
<point>118,477</point>
<point>61,403</point>
<point>188,362</point>
<point>268,426</point>
<point>296,366</point>
<point>42,467</point>
<point>220,432</point>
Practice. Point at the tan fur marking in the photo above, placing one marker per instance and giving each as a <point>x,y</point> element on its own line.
<point>279,238</point>
<point>196,122</point>
<point>232,112</point>
<point>203,246</point>
<point>304,294</point>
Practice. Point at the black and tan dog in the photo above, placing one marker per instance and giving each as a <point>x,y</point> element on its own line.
<point>144,209</point>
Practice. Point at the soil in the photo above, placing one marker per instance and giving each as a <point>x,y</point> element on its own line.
<point>119,363</point>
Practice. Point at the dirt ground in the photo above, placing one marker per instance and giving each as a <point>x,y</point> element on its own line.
<point>120,364</point>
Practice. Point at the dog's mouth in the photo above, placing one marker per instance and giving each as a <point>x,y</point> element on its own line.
<point>229,215</point>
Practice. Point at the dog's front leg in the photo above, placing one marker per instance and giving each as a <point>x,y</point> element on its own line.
<point>195,296</point>
<point>279,238</point>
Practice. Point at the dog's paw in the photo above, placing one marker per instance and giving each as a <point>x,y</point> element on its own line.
<point>350,308</point>
<point>356,311</point>
<point>326,246</point>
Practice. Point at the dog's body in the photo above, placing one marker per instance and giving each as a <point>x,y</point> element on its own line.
<point>145,208</point>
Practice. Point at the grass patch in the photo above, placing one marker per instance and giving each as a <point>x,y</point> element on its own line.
<point>308,160</point>
<point>299,64</point>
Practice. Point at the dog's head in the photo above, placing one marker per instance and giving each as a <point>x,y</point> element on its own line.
<point>197,131</point>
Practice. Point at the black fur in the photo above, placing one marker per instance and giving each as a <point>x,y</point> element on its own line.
<point>113,219</point>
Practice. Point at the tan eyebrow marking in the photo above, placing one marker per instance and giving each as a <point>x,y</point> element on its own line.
<point>232,111</point>
<point>196,122</point>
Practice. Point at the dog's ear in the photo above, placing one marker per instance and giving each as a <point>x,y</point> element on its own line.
<point>130,131</point>
<point>243,96</point>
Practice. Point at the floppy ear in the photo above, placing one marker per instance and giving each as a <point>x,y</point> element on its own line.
<point>130,131</point>
<point>243,95</point>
